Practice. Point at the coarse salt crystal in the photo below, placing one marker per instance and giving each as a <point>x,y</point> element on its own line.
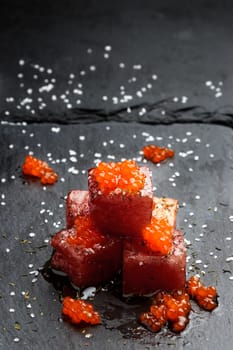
<point>56,129</point>
<point>230,258</point>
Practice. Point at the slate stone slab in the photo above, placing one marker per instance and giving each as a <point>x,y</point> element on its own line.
<point>155,50</point>
<point>200,177</point>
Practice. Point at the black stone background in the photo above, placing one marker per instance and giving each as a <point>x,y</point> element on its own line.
<point>186,44</point>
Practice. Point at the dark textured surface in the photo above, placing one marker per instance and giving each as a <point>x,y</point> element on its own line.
<point>177,60</point>
<point>200,177</point>
<point>185,44</point>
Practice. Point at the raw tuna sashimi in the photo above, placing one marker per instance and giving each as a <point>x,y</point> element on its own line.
<point>119,208</point>
<point>85,255</point>
<point>158,260</point>
<point>145,272</point>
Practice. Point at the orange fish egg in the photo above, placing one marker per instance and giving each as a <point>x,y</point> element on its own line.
<point>38,168</point>
<point>86,234</point>
<point>157,154</point>
<point>79,311</point>
<point>124,176</point>
<point>158,235</point>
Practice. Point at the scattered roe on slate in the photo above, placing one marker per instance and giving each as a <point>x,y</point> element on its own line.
<point>206,297</point>
<point>174,308</point>
<point>79,311</point>
<point>157,154</point>
<point>125,176</point>
<point>35,167</point>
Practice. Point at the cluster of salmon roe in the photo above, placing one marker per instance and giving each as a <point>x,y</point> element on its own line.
<point>157,154</point>
<point>174,308</point>
<point>124,176</point>
<point>79,311</point>
<point>86,235</point>
<point>168,308</point>
<point>158,235</point>
<point>206,297</point>
<point>35,167</point>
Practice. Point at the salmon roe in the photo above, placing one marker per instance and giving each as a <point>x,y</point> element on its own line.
<point>158,235</point>
<point>124,176</point>
<point>86,234</point>
<point>174,308</point>
<point>206,297</point>
<point>157,154</point>
<point>168,308</point>
<point>79,311</point>
<point>38,168</point>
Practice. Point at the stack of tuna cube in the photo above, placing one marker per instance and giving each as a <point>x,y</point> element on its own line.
<point>104,235</point>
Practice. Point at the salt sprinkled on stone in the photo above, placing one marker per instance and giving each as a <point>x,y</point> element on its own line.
<point>56,129</point>
<point>184,99</point>
<point>78,91</point>
<point>72,152</point>
<point>32,234</point>
<point>88,335</point>
<point>73,159</point>
<point>198,261</point>
<point>230,258</point>
<point>137,66</point>
<point>73,171</point>
<point>21,62</point>
<point>218,94</point>
<point>46,88</point>
<point>108,48</point>
<point>97,155</point>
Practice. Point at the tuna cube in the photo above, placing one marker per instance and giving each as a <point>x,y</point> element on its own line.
<point>85,255</point>
<point>145,272</point>
<point>76,204</point>
<point>115,208</point>
<point>158,261</point>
